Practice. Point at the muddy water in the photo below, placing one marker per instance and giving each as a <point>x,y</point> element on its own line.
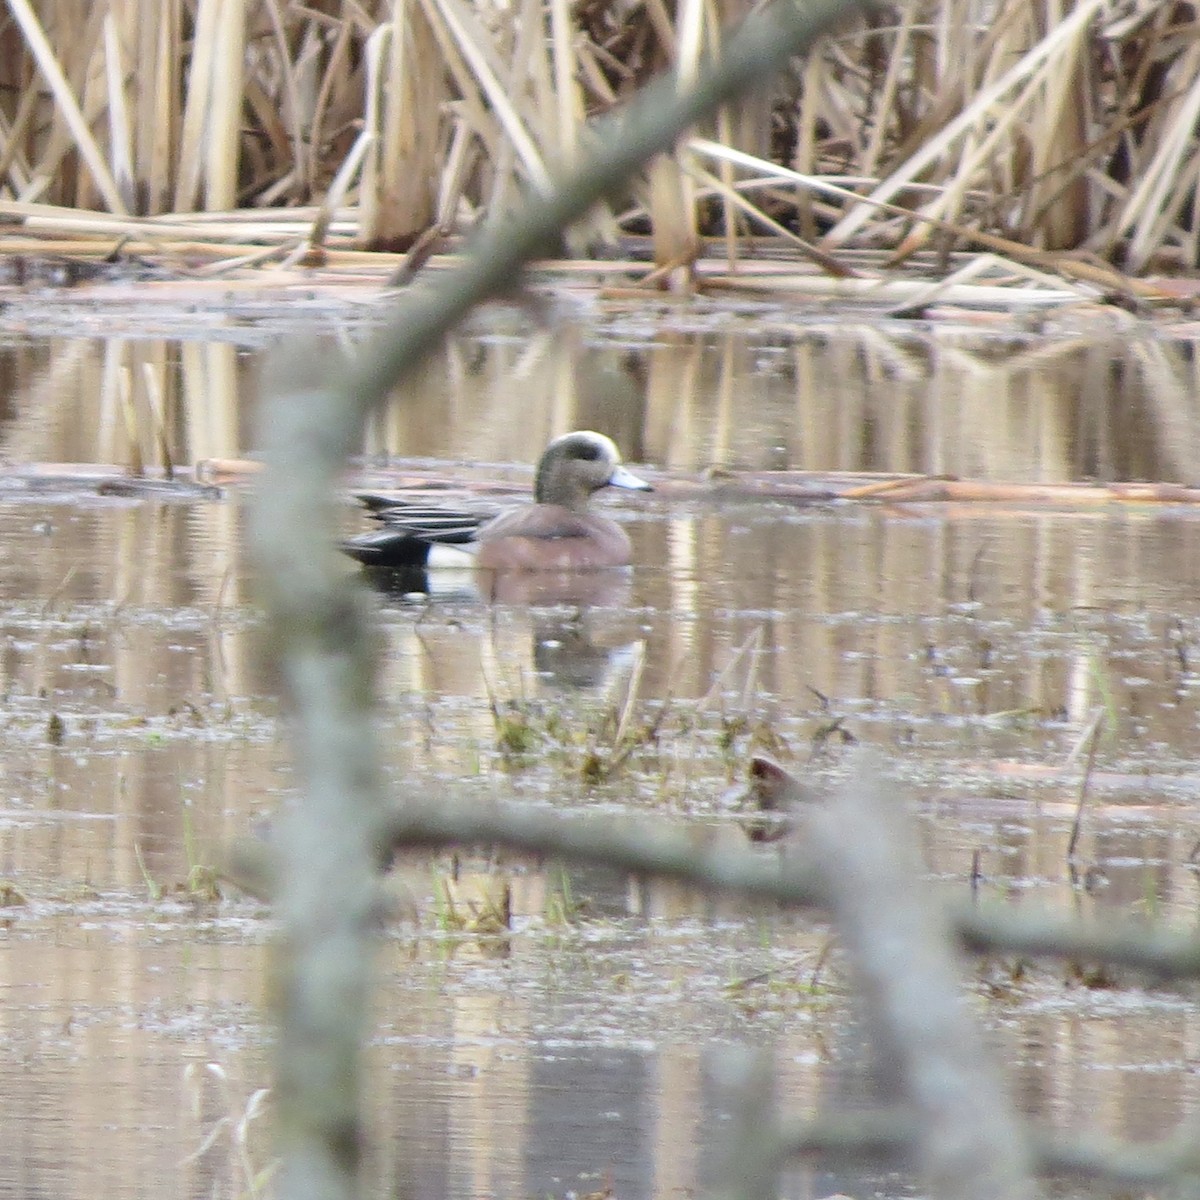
<point>973,644</point>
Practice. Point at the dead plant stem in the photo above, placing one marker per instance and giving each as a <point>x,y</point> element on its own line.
<point>1089,738</point>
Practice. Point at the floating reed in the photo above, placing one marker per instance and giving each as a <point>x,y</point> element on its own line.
<point>927,126</point>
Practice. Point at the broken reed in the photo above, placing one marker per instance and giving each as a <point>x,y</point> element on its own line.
<point>904,130</point>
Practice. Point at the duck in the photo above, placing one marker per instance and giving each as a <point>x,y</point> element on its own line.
<point>768,801</point>
<point>554,533</point>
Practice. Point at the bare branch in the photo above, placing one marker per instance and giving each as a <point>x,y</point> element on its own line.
<point>665,851</point>
<point>313,416</point>
<point>900,941</point>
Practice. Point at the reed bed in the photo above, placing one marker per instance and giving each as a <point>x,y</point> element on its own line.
<point>1008,128</point>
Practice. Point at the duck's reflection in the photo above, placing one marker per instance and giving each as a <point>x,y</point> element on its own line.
<point>581,632</point>
<point>584,650</point>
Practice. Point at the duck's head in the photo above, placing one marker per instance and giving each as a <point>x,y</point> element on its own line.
<point>578,464</point>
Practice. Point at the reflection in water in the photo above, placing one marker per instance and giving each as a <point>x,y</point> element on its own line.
<point>570,651</point>
<point>587,1144</point>
<point>579,632</point>
<point>972,644</point>
<point>763,394</point>
<point>608,588</point>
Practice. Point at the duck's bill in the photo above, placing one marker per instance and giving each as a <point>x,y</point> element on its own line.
<point>623,478</point>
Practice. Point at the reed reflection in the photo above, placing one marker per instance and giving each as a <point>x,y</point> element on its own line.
<point>760,394</point>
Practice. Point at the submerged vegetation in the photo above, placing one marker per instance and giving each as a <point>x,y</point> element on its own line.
<point>667,744</point>
<point>940,125</point>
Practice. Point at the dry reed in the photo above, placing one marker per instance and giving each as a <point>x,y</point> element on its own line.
<point>924,126</point>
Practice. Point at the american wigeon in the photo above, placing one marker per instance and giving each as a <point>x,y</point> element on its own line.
<point>554,533</point>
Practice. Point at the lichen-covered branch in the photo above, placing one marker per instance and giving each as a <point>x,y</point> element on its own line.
<point>890,1134</point>
<point>969,1142</point>
<point>317,637</point>
<point>656,848</point>
<point>314,412</point>
<point>928,1038</point>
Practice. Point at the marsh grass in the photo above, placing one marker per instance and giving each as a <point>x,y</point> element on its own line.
<point>774,993</point>
<point>473,902</point>
<point>232,1130</point>
<point>673,751</point>
<point>563,907</point>
<point>153,888</point>
<point>591,743</point>
<point>202,882</point>
<point>931,125</point>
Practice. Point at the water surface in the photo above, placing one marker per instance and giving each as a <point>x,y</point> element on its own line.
<point>972,643</point>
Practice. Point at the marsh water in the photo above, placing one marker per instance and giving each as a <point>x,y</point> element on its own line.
<point>973,644</point>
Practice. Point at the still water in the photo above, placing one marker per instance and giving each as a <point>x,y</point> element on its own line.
<point>973,644</point>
